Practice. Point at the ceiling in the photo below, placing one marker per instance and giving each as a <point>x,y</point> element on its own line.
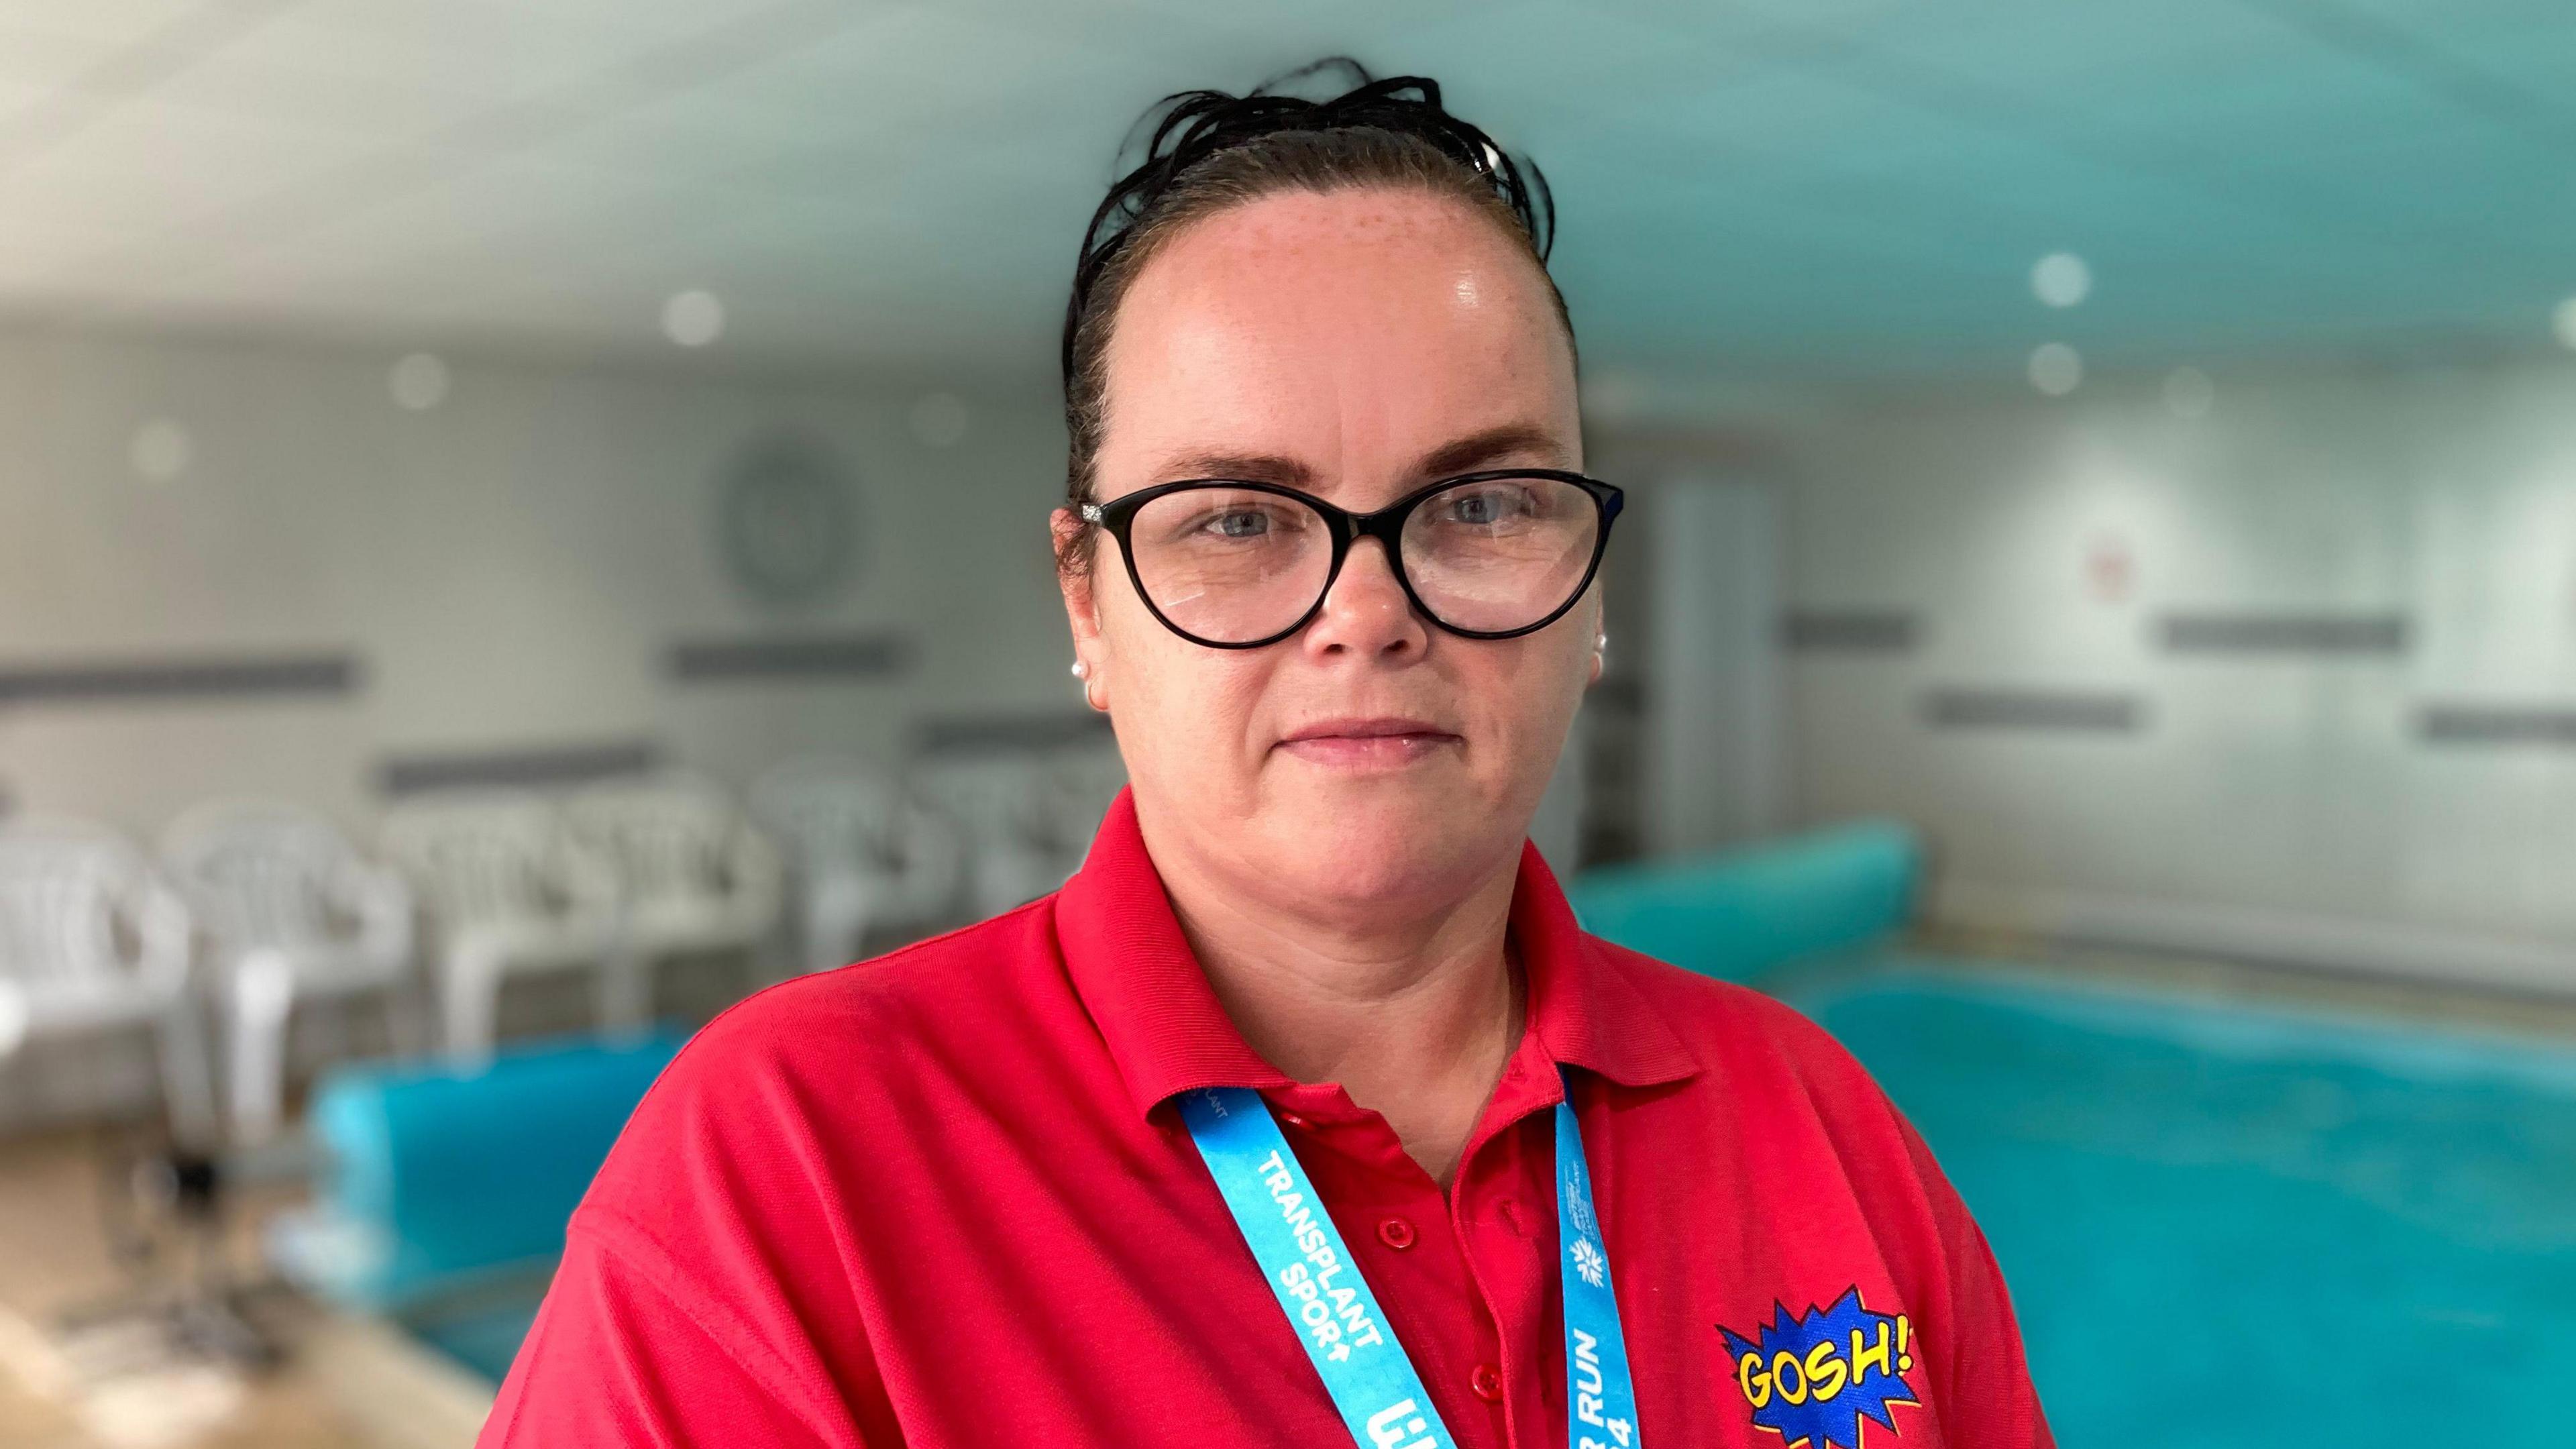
<point>1803,187</point>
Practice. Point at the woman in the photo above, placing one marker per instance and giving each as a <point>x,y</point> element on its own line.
<point>1303,1114</point>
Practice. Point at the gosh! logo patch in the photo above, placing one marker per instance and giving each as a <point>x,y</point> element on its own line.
<point>1812,1378</point>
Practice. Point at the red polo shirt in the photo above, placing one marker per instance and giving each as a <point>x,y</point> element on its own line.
<point>944,1199</point>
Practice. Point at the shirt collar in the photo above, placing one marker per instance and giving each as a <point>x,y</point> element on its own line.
<point>1168,1034</point>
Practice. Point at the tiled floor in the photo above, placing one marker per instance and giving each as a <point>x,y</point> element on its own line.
<point>54,1255</point>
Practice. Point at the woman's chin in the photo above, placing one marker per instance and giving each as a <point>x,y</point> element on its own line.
<point>1384,844</point>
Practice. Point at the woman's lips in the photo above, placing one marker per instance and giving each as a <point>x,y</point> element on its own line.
<point>1377,742</point>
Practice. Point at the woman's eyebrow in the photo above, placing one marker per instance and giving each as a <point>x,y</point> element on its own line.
<point>1489,446</point>
<point>1461,455</point>
<point>1242,467</point>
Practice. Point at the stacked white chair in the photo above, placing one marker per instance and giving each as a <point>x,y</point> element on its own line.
<point>694,876</point>
<point>508,888</point>
<point>91,942</point>
<point>867,860</point>
<point>1004,801</point>
<point>294,915</point>
<point>1082,783</point>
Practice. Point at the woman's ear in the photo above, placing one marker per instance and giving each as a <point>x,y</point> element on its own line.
<point>1073,576</point>
<point>1081,607</point>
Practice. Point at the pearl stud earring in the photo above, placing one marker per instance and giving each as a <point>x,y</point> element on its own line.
<point>1081,670</point>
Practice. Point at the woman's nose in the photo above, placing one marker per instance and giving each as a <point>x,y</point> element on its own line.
<point>1366,610</point>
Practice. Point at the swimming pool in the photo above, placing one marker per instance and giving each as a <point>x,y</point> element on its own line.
<point>2226,1225</point>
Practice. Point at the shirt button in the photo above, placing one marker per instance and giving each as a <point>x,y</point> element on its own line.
<point>1487,1381</point>
<point>1292,1119</point>
<point>1396,1233</point>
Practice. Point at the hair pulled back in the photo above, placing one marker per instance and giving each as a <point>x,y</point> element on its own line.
<point>1209,151</point>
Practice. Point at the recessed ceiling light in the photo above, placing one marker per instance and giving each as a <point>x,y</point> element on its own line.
<point>160,450</point>
<point>418,381</point>
<point>2055,369</point>
<point>693,318</point>
<point>2061,279</point>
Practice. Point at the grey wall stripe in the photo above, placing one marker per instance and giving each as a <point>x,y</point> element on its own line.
<point>820,659</point>
<point>1853,631</point>
<point>535,768</point>
<point>137,681</point>
<point>2033,709</point>
<point>971,734</point>
<point>2497,724</point>
<point>2235,633</point>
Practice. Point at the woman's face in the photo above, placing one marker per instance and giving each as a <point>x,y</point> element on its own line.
<point>1355,345</point>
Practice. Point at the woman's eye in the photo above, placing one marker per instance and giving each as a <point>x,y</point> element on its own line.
<point>1482,509</point>
<point>1239,523</point>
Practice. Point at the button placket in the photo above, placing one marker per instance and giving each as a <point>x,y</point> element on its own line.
<point>1495,1219</point>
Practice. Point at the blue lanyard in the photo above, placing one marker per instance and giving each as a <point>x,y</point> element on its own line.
<point>1328,1301</point>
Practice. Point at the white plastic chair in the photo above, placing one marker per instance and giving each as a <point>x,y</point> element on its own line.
<point>1084,780</point>
<point>865,857</point>
<point>998,802</point>
<point>294,914</point>
<point>1027,821</point>
<point>91,942</point>
<point>507,889</point>
<point>693,874</point>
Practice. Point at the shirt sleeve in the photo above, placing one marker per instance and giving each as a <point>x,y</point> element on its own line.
<point>614,1358</point>
<point>704,1296</point>
<point>1985,1398</point>
<point>1979,1383</point>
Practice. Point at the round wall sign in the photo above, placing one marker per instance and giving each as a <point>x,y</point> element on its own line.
<point>790,519</point>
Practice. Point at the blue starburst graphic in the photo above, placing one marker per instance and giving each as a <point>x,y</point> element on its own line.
<point>1812,1378</point>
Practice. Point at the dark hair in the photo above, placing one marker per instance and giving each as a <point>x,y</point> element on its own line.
<point>1211,151</point>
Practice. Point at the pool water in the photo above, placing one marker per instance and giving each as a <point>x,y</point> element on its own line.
<point>2229,1226</point>
<point>484,1340</point>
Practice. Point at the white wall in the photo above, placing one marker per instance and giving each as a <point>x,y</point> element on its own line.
<point>509,566</point>
<point>2265,804</point>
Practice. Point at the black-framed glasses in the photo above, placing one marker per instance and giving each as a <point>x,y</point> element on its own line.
<point>1237,565</point>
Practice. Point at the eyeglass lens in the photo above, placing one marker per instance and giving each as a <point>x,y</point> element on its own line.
<point>1236,565</point>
